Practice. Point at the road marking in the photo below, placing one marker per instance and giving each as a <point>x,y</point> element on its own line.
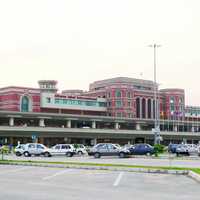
<point>56,174</point>
<point>14,170</point>
<point>116,183</point>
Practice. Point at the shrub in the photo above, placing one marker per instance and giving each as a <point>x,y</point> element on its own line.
<point>4,149</point>
<point>159,148</point>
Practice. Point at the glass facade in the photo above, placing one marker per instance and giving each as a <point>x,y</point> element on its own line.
<point>80,102</point>
<point>193,112</point>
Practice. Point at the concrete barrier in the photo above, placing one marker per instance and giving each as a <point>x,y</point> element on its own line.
<point>194,176</point>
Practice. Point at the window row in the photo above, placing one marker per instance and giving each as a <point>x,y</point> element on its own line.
<point>119,104</point>
<point>80,102</point>
<point>118,93</point>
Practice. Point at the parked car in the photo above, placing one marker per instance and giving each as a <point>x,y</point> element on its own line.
<point>80,149</point>
<point>108,149</point>
<point>172,148</point>
<point>30,149</point>
<point>19,150</point>
<point>198,150</point>
<point>63,149</point>
<point>186,149</point>
<point>141,149</point>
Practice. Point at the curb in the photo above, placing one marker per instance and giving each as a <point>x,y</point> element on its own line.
<point>194,176</point>
<point>109,168</point>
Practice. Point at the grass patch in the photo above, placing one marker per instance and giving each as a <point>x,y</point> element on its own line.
<point>196,170</point>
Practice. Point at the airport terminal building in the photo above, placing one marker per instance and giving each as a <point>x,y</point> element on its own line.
<point>119,110</point>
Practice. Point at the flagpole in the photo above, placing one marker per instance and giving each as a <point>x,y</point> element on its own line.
<point>156,129</point>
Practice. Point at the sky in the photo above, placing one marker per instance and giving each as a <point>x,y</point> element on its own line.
<point>80,41</point>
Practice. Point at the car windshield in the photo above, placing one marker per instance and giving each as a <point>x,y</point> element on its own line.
<point>20,146</point>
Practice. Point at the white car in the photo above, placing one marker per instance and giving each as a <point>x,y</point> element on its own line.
<point>198,150</point>
<point>63,149</point>
<point>80,149</point>
<point>186,149</point>
<point>30,149</point>
<point>192,148</point>
<point>19,150</point>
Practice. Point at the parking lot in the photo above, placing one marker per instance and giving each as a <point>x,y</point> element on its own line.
<point>25,182</point>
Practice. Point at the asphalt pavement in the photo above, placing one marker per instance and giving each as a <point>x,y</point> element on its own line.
<point>39,183</point>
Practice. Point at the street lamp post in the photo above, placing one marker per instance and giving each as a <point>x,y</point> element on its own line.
<point>156,129</point>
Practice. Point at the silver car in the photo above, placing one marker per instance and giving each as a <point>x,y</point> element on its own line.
<point>108,149</point>
<point>63,149</point>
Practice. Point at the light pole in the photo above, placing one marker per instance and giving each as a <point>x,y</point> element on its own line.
<point>156,129</point>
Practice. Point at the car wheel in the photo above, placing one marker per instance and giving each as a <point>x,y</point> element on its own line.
<point>26,154</point>
<point>148,154</point>
<point>80,153</point>
<point>122,155</point>
<point>18,154</point>
<point>47,154</point>
<point>97,155</point>
<point>69,154</point>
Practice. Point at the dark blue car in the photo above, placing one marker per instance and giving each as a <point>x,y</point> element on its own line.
<point>141,149</point>
<point>172,148</point>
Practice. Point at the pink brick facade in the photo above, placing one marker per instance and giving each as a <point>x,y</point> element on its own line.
<point>174,103</point>
<point>136,97</point>
<point>125,97</point>
<point>11,98</point>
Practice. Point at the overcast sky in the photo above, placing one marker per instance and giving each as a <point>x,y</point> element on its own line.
<point>80,41</point>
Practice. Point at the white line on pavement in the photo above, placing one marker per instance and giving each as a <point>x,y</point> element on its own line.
<point>14,170</point>
<point>116,183</point>
<point>56,174</point>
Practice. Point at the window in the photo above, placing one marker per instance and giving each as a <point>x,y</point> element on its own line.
<point>171,100</point>
<point>109,104</point>
<point>149,108</point>
<point>102,104</point>
<point>118,93</point>
<point>40,146</point>
<point>102,146</point>
<point>118,104</point>
<point>111,147</point>
<point>31,146</point>
<point>172,103</point>
<point>65,147</point>
<point>25,104</point>
<point>129,115</point>
<point>119,114</point>
<point>57,101</point>
<point>48,100</point>
<point>138,108</point>
<point>181,100</point>
<point>80,102</point>
<point>128,94</point>
<point>57,147</point>
<point>109,95</point>
<point>129,104</point>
